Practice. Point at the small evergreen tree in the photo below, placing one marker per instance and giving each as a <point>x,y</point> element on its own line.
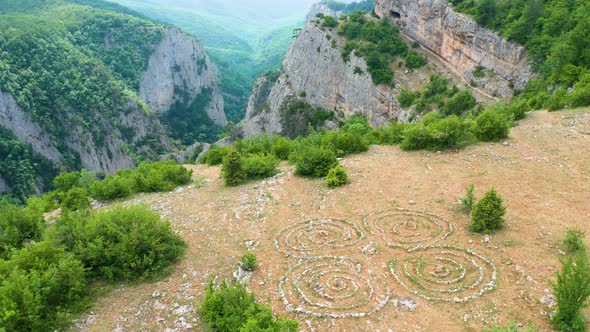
<point>574,240</point>
<point>469,200</point>
<point>231,169</point>
<point>336,177</point>
<point>487,214</point>
<point>572,289</point>
<point>249,262</point>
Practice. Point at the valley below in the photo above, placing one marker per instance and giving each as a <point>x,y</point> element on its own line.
<point>365,243</point>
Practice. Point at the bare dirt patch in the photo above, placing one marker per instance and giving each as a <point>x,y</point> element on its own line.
<point>388,252</point>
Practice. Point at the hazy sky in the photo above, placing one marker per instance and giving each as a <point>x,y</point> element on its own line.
<point>274,8</point>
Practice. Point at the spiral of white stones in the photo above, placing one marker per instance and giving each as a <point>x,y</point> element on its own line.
<point>445,273</point>
<point>408,229</point>
<point>308,238</point>
<point>333,287</point>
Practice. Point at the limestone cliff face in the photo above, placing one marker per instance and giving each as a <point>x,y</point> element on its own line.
<point>108,156</point>
<point>179,64</point>
<point>461,43</point>
<point>316,70</point>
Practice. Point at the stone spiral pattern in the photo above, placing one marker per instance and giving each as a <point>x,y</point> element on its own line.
<point>328,282</point>
<point>334,288</point>
<point>445,273</point>
<point>308,238</point>
<point>408,229</point>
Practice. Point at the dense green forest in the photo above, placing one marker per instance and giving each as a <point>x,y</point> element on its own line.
<point>555,33</point>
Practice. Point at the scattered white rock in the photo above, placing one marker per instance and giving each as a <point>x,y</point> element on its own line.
<point>548,298</point>
<point>412,202</point>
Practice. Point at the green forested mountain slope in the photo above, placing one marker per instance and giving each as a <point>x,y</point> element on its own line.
<point>556,35</point>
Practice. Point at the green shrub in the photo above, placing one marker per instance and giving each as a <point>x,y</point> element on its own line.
<point>509,328</point>
<point>260,166</point>
<point>281,147</point>
<point>125,243</point>
<point>336,177</point>
<point>215,155</point>
<point>518,109</point>
<point>468,201</point>
<point>42,285</point>
<point>160,176</point>
<point>18,225</point>
<point>574,240</point>
<point>572,289</point>
<point>491,126</point>
<point>406,97</point>
<point>65,181</point>
<point>460,103</point>
<point>487,215</point>
<point>232,169</point>
<point>449,133</point>
<point>329,22</point>
<point>314,161</point>
<point>254,145</point>
<point>414,60</point>
<point>112,187</point>
<point>232,308</point>
<point>391,134</point>
<point>76,199</point>
<point>345,143</point>
<point>249,262</point>
<point>417,137</point>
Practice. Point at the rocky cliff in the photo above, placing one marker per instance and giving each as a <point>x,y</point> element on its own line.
<point>314,68</point>
<point>179,65</point>
<point>458,40</point>
<point>111,154</point>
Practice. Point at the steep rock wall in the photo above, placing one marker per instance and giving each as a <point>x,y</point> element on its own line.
<point>461,43</point>
<point>108,156</point>
<point>313,66</point>
<point>179,64</point>
<point>21,124</point>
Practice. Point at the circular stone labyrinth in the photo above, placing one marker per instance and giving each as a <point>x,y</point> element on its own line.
<point>329,279</point>
<point>445,273</point>
<point>317,236</point>
<point>333,287</point>
<point>408,229</point>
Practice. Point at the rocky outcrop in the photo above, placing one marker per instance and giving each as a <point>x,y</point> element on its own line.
<point>458,40</point>
<point>111,154</point>
<point>315,69</point>
<point>179,65</point>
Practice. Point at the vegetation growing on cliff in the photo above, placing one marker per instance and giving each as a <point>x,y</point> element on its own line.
<point>23,170</point>
<point>555,33</point>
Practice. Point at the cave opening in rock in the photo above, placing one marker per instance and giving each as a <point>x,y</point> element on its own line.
<point>395,14</point>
